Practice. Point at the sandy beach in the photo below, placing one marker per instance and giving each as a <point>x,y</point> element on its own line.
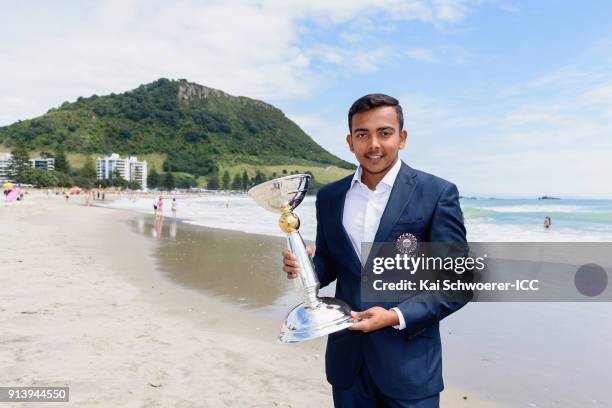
<point>85,303</point>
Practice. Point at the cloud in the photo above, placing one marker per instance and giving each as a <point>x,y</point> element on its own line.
<point>510,8</point>
<point>259,49</point>
<point>421,55</point>
<point>360,60</point>
<point>329,130</point>
<point>549,136</point>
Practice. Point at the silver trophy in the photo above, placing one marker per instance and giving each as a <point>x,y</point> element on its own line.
<point>317,316</point>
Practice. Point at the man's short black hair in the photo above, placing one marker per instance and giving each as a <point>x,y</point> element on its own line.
<point>371,101</point>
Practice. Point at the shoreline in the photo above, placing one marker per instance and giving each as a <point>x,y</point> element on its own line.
<point>85,304</point>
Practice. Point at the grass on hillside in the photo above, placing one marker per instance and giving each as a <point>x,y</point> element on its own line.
<point>322,173</point>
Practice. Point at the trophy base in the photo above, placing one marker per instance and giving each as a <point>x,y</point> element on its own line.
<point>305,323</point>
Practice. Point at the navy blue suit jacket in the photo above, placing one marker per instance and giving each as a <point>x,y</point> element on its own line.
<point>405,364</point>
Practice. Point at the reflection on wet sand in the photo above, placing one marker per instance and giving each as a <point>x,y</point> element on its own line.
<point>242,268</point>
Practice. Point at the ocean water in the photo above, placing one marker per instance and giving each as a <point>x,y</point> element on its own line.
<point>487,220</point>
<point>518,354</point>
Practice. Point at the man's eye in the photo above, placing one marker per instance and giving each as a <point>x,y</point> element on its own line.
<point>386,133</point>
<point>361,135</point>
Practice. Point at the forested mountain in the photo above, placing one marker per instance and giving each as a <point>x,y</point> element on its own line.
<point>199,129</point>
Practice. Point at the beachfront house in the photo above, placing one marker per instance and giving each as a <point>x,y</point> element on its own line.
<point>43,163</point>
<point>5,162</point>
<point>128,168</point>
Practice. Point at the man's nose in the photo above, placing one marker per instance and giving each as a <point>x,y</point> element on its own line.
<point>374,143</point>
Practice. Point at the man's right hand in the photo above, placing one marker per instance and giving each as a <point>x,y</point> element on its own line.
<point>290,263</point>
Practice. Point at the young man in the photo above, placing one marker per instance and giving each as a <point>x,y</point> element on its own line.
<point>392,356</point>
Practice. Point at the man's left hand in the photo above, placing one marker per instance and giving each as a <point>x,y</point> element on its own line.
<point>373,319</point>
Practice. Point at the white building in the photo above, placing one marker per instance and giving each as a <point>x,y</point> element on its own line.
<point>5,162</point>
<point>43,163</point>
<point>129,169</point>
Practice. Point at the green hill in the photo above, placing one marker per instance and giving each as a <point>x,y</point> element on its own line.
<point>195,128</point>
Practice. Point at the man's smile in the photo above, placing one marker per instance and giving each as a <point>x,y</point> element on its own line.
<point>375,157</point>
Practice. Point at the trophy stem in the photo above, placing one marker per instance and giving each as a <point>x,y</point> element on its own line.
<point>308,277</point>
<point>317,316</point>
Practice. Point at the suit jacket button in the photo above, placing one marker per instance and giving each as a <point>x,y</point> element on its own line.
<point>364,279</point>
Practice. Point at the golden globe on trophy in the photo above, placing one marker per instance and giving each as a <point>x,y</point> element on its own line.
<point>317,316</point>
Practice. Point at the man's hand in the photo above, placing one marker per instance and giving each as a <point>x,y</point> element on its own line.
<point>290,264</point>
<point>373,319</point>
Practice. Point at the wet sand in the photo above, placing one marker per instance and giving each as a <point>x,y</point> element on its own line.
<point>234,267</point>
<point>90,298</point>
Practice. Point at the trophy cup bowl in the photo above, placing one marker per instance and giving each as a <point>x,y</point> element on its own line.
<point>316,316</point>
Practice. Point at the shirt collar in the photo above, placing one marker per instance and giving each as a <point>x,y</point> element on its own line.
<point>389,178</point>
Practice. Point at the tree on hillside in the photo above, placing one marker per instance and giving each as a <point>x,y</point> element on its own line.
<point>185,181</point>
<point>39,178</point>
<point>153,178</point>
<point>245,180</point>
<point>213,181</point>
<point>259,178</point>
<point>115,175</point>
<point>226,180</point>
<point>20,162</point>
<point>169,182</point>
<point>237,182</point>
<point>88,171</point>
<point>134,185</point>
<point>61,162</point>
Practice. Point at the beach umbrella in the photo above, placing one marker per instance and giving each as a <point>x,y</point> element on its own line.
<point>74,190</point>
<point>12,196</point>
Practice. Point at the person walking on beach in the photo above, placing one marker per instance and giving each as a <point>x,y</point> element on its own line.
<point>174,205</point>
<point>160,207</point>
<point>392,355</point>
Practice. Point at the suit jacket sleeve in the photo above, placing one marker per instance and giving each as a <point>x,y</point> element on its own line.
<point>446,227</point>
<point>324,267</point>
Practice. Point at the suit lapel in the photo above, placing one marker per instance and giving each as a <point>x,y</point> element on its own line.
<point>398,200</point>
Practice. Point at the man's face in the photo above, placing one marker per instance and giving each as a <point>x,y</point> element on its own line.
<point>376,138</point>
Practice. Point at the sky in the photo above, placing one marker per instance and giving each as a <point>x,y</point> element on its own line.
<point>504,98</point>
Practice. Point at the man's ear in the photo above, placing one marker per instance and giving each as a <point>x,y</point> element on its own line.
<point>403,136</point>
<point>349,141</point>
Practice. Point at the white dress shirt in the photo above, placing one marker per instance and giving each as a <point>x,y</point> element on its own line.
<point>363,209</point>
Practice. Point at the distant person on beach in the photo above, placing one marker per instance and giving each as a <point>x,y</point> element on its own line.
<point>547,222</point>
<point>160,207</point>
<point>392,355</point>
<point>174,205</point>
